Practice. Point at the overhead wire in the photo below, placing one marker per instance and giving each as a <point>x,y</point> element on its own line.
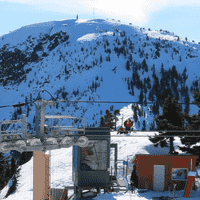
<point>22,104</point>
<point>56,100</point>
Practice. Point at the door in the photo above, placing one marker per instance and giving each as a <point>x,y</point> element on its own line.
<point>158,177</point>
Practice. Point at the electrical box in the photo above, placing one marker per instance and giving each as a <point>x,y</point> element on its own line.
<point>91,164</point>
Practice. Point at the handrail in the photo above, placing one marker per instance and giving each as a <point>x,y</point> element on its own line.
<point>10,131</point>
<point>19,138</point>
<point>11,134</point>
<point>62,126</point>
<point>10,121</point>
<point>21,132</point>
<point>70,127</point>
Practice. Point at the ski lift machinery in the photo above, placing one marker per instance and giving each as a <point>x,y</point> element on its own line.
<point>91,164</point>
<point>91,147</point>
<point>41,141</point>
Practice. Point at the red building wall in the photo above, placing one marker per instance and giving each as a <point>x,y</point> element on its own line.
<point>144,167</point>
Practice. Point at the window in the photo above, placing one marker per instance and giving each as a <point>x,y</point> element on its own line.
<point>94,157</point>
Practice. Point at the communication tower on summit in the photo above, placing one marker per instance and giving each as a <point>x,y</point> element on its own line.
<point>93,14</point>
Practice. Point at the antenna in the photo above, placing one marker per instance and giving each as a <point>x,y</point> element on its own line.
<point>93,14</point>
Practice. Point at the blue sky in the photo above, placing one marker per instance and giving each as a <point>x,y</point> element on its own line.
<point>179,16</point>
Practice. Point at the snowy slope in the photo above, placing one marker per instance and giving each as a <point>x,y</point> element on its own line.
<point>69,62</point>
<point>61,167</point>
<point>76,59</point>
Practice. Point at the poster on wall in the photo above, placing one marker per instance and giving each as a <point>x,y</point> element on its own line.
<point>179,174</point>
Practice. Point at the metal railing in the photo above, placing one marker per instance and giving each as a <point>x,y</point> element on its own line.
<point>16,134</point>
<point>70,128</point>
<point>21,140</point>
<point>126,170</point>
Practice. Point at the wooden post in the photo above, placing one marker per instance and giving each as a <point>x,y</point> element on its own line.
<point>190,181</point>
<point>41,186</point>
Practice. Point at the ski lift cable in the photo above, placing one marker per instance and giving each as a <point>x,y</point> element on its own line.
<point>22,104</point>
<point>78,101</point>
<point>137,102</point>
<point>56,100</point>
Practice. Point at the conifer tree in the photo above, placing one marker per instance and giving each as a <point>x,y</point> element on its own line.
<point>24,158</point>
<point>107,120</point>
<point>4,167</point>
<point>135,117</point>
<point>162,71</point>
<point>141,97</point>
<point>184,75</point>
<point>14,185</point>
<point>187,100</point>
<point>148,83</point>
<point>138,124</point>
<point>144,65</point>
<point>101,59</point>
<point>144,125</point>
<point>193,124</point>
<point>127,65</point>
<point>152,126</point>
<point>13,166</point>
<point>116,112</point>
<point>130,58</point>
<point>166,122</point>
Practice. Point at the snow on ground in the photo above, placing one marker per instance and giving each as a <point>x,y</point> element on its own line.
<point>61,167</point>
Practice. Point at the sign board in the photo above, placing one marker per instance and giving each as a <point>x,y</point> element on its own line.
<point>179,174</point>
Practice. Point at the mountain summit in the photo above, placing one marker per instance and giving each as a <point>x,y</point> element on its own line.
<point>95,60</point>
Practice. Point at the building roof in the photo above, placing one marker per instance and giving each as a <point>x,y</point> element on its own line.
<point>162,155</point>
<point>141,155</point>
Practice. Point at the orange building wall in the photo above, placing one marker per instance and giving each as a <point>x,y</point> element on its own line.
<point>145,163</point>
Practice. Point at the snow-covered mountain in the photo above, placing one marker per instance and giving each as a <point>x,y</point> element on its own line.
<point>93,60</point>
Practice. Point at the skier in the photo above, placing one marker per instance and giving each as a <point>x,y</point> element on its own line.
<point>128,124</point>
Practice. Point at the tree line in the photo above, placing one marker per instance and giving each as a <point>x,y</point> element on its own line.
<point>173,119</point>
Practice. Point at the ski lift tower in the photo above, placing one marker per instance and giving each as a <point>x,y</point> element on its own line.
<point>55,138</point>
<point>91,158</point>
